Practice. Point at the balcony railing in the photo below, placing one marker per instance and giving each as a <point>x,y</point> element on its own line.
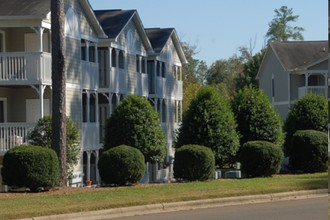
<point>90,136</point>
<point>25,68</point>
<point>90,75</point>
<point>118,80</point>
<point>142,84</point>
<point>168,88</point>
<point>321,90</point>
<point>13,134</point>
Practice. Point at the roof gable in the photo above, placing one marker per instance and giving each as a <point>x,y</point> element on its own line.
<point>114,21</point>
<point>160,36</point>
<point>298,55</point>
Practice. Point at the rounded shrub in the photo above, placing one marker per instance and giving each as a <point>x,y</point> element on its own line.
<point>121,165</point>
<point>210,122</point>
<point>260,158</point>
<point>308,113</point>
<point>194,162</point>
<point>30,166</point>
<point>309,151</point>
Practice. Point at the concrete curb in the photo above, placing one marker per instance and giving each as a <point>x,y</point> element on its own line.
<point>187,205</point>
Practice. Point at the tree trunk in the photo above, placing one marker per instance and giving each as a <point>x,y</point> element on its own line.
<point>58,86</point>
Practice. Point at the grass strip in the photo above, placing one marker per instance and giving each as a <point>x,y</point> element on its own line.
<point>70,200</point>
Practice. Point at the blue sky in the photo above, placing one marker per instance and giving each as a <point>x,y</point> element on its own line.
<point>219,27</point>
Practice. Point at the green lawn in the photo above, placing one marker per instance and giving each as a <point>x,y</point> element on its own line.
<point>76,200</point>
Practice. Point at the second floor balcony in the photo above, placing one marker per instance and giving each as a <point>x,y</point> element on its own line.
<point>23,68</point>
<point>320,90</point>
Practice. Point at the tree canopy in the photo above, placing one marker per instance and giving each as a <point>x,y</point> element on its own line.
<point>280,29</point>
<point>134,122</point>
<point>210,122</point>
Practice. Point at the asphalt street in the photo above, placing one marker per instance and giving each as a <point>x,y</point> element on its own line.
<point>301,209</point>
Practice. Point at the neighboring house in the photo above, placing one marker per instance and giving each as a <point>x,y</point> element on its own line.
<point>289,70</point>
<point>25,69</point>
<point>142,62</point>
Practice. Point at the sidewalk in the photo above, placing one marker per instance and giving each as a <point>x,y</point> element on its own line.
<point>187,205</point>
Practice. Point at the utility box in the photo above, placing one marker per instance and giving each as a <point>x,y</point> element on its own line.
<point>233,174</point>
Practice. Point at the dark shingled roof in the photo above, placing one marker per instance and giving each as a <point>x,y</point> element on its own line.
<point>297,55</point>
<point>113,21</point>
<point>158,37</point>
<point>37,8</point>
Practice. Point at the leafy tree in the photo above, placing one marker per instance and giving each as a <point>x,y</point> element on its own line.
<point>134,122</point>
<point>256,117</point>
<point>209,122</point>
<point>59,86</point>
<point>308,113</point>
<point>224,72</point>
<point>251,68</point>
<point>279,28</point>
<point>190,90</point>
<point>41,135</point>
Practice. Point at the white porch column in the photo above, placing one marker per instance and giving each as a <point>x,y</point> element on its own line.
<point>39,31</point>
<point>41,97</point>
<point>88,95</point>
<point>88,169</point>
<point>87,50</point>
<point>306,82</point>
<point>96,107</point>
<point>96,53</point>
<point>117,58</point>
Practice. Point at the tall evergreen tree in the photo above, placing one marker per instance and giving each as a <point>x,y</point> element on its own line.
<point>256,117</point>
<point>210,122</point>
<point>134,122</point>
<point>279,28</point>
<point>58,86</point>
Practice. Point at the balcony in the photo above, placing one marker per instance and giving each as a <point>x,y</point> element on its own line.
<point>168,88</point>
<point>90,75</point>
<point>90,136</point>
<point>24,68</point>
<point>321,90</point>
<point>13,134</point>
<point>142,84</point>
<point>118,80</point>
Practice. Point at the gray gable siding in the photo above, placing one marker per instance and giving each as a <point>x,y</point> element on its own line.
<point>273,67</point>
<point>73,54</point>
<point>138,49</point>
<point>85,28</point>
<point>320,66</point>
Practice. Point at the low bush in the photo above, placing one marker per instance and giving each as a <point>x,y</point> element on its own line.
<point>309,151</point>
<point>30,166</point>
<point>194,162</point>
<point>260,158</point>
<point>122,165</point>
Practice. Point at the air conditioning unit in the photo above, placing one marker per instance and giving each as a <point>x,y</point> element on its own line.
<point>233,174</point>
<point>217,174</point>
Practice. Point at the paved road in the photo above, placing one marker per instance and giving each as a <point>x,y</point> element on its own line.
<point>304,209</point>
